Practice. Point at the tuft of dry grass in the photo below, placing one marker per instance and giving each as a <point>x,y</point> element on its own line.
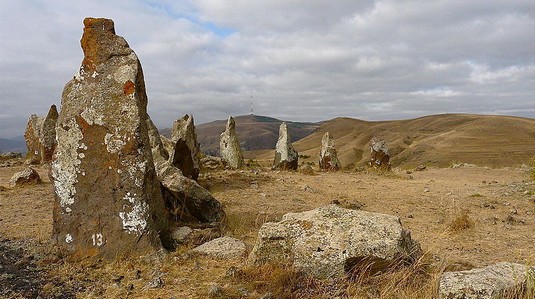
<point>461,222</point>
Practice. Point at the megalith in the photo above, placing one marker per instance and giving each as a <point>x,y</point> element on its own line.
<point>380,158</point>
<point>40,136</point>
<point>186,151</point>
<point>229,146</point>
<point>33,131</point>
<point>286,157</point>
<point>328,157</point>
<point>108,200</point>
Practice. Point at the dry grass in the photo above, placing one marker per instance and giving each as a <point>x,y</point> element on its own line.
<point>461,222</point>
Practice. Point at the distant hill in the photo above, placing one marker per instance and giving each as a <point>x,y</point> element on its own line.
<point>255,132</point>
<point>17,144</point>
<point>432,140</point>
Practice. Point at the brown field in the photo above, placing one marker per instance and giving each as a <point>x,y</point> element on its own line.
<point>464,217</point>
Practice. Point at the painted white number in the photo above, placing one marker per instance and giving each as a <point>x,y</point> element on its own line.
<point>98,240</point>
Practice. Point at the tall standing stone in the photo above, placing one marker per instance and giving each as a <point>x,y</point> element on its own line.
<point>108,200</point>
<point>186,151</point>
<point>380,158</point>
<point>33,143</point>
<point>286,157</point>
<point>48,135</point>
<point>328,157</point>
<point>229,146</point>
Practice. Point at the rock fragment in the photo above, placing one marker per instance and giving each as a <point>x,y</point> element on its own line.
<point>286,157</point>
<point>229,146</point>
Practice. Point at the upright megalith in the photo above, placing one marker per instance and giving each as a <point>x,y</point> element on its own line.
<point>108,200</point>
<point>286,157</point>
<point>186,151</point>
<point>229,146</point>
<point>33,131</point>
<point>48,135</point>
<point>328,157</point>
<point>40,136</point>
<point>380,158</point>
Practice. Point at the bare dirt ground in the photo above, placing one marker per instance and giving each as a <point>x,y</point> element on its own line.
<point>497,206</point>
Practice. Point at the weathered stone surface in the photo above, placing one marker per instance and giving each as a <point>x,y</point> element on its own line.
<point>488,282</point>
<point>47,137</point>
<point>186,151</point>
<point>108,198</point>
<point>223,248</point>
<point>330,240</point>
<point>27,176</point>
<point>380,158</point>
<point>328,157</point>
<point>40,136</point>
<point>229,146</point>
<point>286,157</point>
<point>33,131</point>
<point>185,196</point>
<point>181,234</point>
<point>212,163</point>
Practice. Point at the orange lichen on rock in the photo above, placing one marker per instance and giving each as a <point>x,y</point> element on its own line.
<point>129,88</point>
<point>96,30</point>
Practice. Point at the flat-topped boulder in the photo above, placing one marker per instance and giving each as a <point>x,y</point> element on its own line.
<point>107,197</point>
<point>286,157</point>
<point>229,146</point>
<point>330,241</point>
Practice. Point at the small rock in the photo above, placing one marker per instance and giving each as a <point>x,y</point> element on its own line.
<point>27,176</point>
<point>215,291</point>
<point>420,167</point>
<point>224,248</point>
<point>307,188</point>
<point>156,283</point>
<point>181,234</point>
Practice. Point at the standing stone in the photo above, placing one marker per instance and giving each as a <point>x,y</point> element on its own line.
<point>33,143</point>
<point>286,157</point>
<point>328,157</point>
<point>48,135</point>
<point>229,146</point>
<point>108,200</point>
<point>186,151</point>
<point>40,137</point>
<point>380,158</point>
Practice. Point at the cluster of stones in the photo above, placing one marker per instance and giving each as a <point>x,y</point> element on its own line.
<point>117,189</point>
<point>40,137</point>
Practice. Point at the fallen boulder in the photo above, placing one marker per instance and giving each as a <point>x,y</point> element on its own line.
<point>223,248</point>
<point>492,281</point>
<point>329,241</point>
<point>27,176</point>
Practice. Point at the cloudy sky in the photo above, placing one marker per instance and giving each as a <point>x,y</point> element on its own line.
<point>302,60</point>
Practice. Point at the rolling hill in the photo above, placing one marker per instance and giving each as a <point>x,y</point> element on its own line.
<point>438,140</point>
<point>255,132</point>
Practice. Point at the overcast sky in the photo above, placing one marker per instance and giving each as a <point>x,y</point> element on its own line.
<point>301,60</point>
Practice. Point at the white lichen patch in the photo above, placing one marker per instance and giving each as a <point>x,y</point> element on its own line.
<point>94,75</point>
<point>135,221</point>
<point>114,142</point>
<point>68,239</point>
<point>125,73</point>
<point>92,116</point>
<point>79,75</point>
<point>67,162</point>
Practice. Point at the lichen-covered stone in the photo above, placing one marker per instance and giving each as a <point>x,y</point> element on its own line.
<point>328,156</point>
<point>380,158</point>
<point>186,151</point>
<point>107,197</point>
<point>229,146</point>
<point>286,157</point>
<point>223,248</point>
<point>33,131</point>
<point>488,282</point>
<point>27,176</point>
<point>40,137</point>
<point>330,240</point>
